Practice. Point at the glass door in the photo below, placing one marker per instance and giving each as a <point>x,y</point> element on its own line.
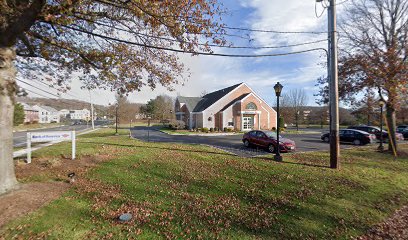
<point>248,123</point>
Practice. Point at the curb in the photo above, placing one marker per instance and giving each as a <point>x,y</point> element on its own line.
<point>201,135</point>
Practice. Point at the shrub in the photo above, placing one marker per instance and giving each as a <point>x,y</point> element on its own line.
<point>216,129</point>
<point>274,129</point>
<point>225,129</point>
<point>199,129</point>
<point>282,122</point>
<point>229,129</point>
<point>211,129</point>
<point>205,130</point>
<point>177,124</point>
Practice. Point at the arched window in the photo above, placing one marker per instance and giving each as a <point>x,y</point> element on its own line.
<point>251,106</point>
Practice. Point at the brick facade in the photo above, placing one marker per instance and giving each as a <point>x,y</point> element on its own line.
<point>230,111</point>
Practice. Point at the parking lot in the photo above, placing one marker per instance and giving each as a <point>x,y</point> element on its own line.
<point>308,141</point>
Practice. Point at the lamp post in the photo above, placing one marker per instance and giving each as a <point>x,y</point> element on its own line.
<point>278,89</point>
<point>381,147</point>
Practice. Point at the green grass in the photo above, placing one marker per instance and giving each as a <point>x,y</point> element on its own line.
<point>181,191</point>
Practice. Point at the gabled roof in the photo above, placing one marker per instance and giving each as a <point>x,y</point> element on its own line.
<point>196,104</point>
<point>191,102</point>
<point>46,108</point>
<point>235,100</point>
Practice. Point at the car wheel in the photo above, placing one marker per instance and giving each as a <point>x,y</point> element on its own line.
<point>326,139</point>
<point>247,143</point>
<point>271,148</point>
<point>357,142</point>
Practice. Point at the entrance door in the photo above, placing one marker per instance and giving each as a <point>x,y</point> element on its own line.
<point>248,123</point>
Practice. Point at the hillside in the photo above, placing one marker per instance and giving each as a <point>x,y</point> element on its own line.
<point>61,103</point>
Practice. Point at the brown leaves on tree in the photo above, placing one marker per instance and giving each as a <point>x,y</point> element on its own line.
<point>88,36</point>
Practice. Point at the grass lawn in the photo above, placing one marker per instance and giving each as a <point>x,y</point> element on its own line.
<point>192,191</point>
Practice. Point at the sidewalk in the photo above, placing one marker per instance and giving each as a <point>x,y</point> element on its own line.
<point>23,152</point>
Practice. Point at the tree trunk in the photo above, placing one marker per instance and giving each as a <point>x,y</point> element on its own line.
<point>391,124</point>
<point>7,97</point>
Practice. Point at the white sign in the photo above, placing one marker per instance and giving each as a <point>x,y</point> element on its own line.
<point>56,136</point>
<point>51,136</point>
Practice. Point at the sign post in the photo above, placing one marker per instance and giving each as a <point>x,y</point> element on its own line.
<point>73,144</point>
<point>56,136</point>
<point>28,147</point>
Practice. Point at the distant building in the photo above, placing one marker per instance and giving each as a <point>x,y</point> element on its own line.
<point>237,107</point>
<point>140,116</point>
<point>47,114</point>
<point>83,114</point>
<point>30,114</point>
<point>64,113</point>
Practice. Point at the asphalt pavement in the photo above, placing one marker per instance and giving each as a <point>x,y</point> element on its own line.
<point>305,142</point>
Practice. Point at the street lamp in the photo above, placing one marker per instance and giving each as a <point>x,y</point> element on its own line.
<point>381,147</point>
<point>278,90</point>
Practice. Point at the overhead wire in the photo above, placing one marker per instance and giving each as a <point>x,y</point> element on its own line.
<point>69,94</point>
<point>26,89</point>
<point>215,45</point>
<point>324,9</point>
<point>190,52</point>
<point>31,85</point>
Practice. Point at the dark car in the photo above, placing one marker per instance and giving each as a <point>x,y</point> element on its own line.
<point>402,128</point>
<point>405,133</point>
<point>353,136</point>
<point>268,139</point>
<point>376,131</point>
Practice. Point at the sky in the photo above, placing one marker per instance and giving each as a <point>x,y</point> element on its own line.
<point>210,73</point>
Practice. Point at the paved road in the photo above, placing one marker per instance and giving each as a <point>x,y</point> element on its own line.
<point>232,143</point>
<point>20,138</point>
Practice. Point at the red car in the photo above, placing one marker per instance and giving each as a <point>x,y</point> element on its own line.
<point>268,140</point>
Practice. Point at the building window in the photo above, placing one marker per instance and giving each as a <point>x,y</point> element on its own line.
<point>251,106</point>
<point>210,119</point>
<point>230,124</point>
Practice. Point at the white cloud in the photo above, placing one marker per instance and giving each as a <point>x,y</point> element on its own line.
<point>212,73</point>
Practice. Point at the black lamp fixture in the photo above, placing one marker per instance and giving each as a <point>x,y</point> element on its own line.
<point>278,90</point>
<point>381,147</point>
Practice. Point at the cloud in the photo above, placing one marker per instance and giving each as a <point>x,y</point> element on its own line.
<point>212,73</point>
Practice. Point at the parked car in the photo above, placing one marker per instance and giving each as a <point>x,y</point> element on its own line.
<point>376,131</point>
<point>405,133</point>
<point>353,136</point>
<point>401,128</point>
<point>268,139</point>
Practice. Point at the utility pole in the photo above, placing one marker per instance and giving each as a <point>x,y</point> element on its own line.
<point>92,109</point>
<point>333,88</point>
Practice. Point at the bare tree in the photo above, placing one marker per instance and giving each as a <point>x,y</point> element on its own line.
<point>374,54</point>
<point>297,100</point>
<point>366,107</point>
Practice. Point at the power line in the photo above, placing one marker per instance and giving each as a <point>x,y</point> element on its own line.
<point>191,52</point>
<point>37,88</point>
<point>69,94</point>
<point>274,31</point>
<point>321,14</point>
<point>37,93</point>
<point>214,45</point>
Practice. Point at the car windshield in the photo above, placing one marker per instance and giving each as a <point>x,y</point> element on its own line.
<point>271,134</point>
